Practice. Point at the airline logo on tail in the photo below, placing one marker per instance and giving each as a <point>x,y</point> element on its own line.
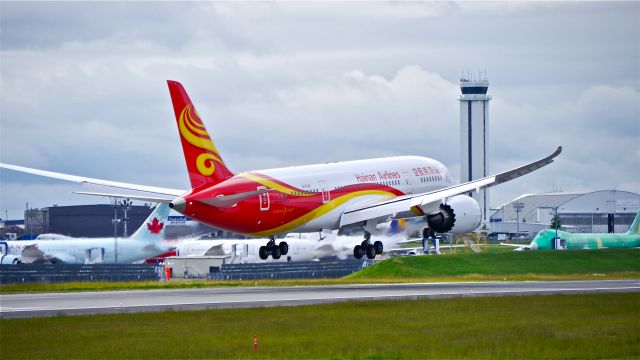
<point>192,130</point>
<point>155,226</point>
<point>204,164</point>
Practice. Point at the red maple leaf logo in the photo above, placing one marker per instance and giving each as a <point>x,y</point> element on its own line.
<point>155,226</point>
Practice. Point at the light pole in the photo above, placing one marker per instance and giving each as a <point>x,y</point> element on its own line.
<point>557,222</point>
<point>126,205</point>
<point>115,222</point>
<point>518,206</point>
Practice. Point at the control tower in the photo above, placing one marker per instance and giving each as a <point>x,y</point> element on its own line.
<point>474,136</point>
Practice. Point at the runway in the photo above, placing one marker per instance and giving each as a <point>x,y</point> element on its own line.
<point>77,303</point>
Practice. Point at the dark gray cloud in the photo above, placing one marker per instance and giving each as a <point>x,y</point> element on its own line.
<point>83,87</point>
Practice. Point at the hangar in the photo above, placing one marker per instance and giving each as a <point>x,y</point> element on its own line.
<point>598,211</point>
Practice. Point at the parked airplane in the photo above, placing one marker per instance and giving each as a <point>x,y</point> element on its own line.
<point>146,242</point>
<point>312,198</point>
<point>549,239</point>
<point>302,246</point>
<point>300,249</point>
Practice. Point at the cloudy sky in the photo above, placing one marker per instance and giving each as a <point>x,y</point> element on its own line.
<point>83,91</point>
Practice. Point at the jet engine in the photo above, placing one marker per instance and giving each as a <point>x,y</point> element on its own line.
<point>460,215</point>
<point>10,259</point>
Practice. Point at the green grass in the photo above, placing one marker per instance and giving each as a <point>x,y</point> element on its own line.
<point>507,264</point>
<point>560,326</point>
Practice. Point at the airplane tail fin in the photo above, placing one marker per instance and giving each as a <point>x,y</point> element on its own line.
<point>204,163</point>
<point>152,229</point>
<point>397,226</point>
<point>635,225</point>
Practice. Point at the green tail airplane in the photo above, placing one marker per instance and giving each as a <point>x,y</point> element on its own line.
<point>549,239</point>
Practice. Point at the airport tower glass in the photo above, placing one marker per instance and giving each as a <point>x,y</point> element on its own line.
<point>474,136</point>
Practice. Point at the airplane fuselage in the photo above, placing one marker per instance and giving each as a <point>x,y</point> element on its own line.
<point>299,249</point>
<point>313,197</point>
<point>82,250</point>
<point>545,240</point>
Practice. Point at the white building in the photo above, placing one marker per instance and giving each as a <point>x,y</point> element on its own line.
<point>593,212</point>
<point>474,137</point>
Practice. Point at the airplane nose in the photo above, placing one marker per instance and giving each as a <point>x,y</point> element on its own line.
<point>178,204</point>
<point>533,246</point>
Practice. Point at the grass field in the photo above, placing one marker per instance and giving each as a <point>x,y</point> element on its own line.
<point>563,326</point>
<point>507,264</point>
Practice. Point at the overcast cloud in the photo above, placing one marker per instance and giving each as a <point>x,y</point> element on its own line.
<point>83,88</point>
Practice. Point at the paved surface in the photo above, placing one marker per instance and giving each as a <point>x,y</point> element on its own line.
<point>48,304</point>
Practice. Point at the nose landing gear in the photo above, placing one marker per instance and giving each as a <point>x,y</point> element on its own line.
<point>276,251</point>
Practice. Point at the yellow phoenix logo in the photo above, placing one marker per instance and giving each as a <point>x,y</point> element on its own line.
<point>192,130</point>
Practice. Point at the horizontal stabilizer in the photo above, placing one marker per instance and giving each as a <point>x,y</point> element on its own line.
<point>157,199</point>
<point>225,201</point>
<point>86,180</point>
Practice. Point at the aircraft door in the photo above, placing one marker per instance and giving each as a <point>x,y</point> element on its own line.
<point>264,199</point>
<point>326,194</point>
<point>94,255</point>
<point>407,182</point>
<point>559,243</point>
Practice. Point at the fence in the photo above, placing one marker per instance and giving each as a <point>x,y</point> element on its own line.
<point>289,270</point>
<point>22,273</point>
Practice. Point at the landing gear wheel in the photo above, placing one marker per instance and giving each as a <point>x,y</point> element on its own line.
<point>378,246</point>
<point>263,253</point>
<point>284,248</point>
<point>371,251</point>
<point>275,252</point>
<point>358,252</point>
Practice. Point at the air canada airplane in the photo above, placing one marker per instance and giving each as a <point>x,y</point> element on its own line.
<point>311,198</point>
<point>146,242</point>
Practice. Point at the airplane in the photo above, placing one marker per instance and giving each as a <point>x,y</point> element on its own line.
<point>311,198</point>
<point>146,242</point>
<point>247,251</point>
<point>549,239</point>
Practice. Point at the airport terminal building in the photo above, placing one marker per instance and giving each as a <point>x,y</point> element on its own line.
<point>603,211</point>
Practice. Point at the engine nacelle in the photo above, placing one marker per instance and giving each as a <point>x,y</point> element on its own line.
<point>10,259</point>
<point>460,215</point>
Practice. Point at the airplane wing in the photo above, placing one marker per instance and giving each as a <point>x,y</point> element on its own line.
<point>517,247</point>
<point>403,204</point>
<point>86,180</point>
<point>215,250</point>
<point>32,254</point>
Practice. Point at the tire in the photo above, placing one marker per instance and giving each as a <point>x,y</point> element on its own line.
<point>378,246</point>
<point>275,252</point>
<point>263,253</point>
<point>284,248</point>
<point>371,252</point>
<point>358,253</point>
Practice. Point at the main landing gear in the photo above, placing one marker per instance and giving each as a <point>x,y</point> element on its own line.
<point>365,248</point>
<point>272,249</point>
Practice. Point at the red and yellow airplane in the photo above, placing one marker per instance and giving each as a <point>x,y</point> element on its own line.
<point>312,198</point>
